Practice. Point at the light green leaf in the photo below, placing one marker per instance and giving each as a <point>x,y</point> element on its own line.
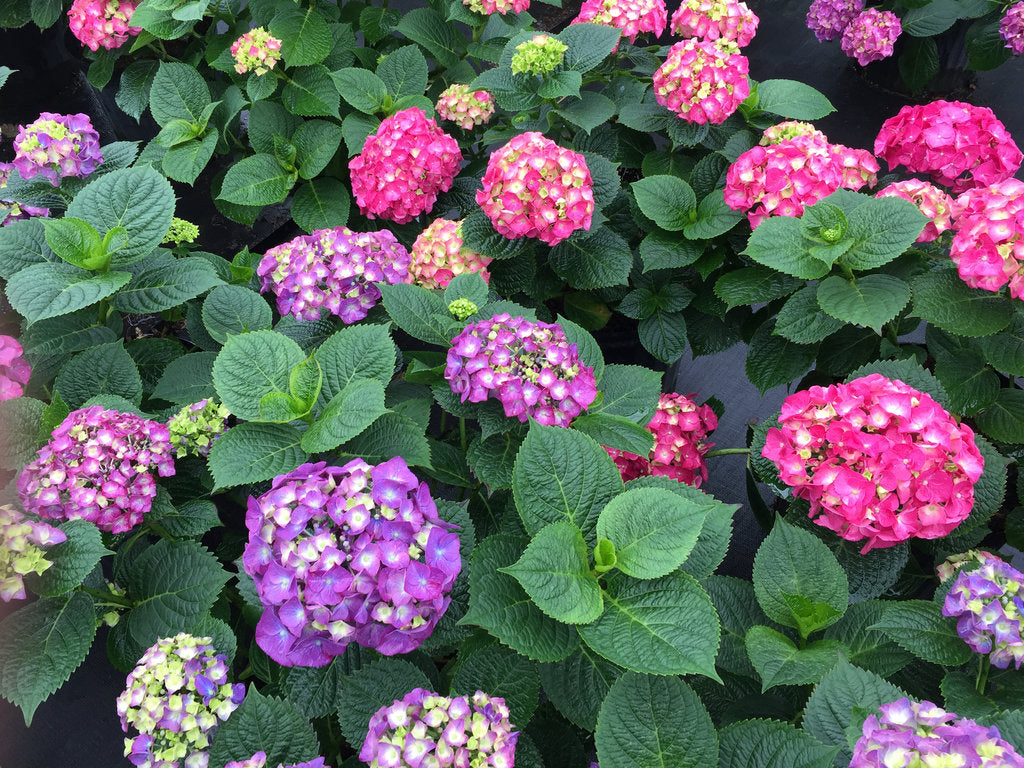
<point>870,300</point>
<point>252,365</point>
<point>792,99</point>
<point>250,453</point>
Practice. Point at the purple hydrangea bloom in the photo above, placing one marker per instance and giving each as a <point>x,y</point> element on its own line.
<point>910,733</point>
<point>342,554</point>
<point>174,698</point>
<point>56,146</point>
<point>426,729</point>
<point>20,540</point>
<point>335,269</point>
<point>1011,28</point>
<point>98,466</point>
<point>988,603</point>
<point>871,35</point>
<point>530,367</point>
<point>11,211</point>
<point>828,19</point>
<point>259,760</point>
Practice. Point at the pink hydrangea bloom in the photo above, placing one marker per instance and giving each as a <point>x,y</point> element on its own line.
<point>960,145</point>
<point>438,255</point>
<point>870,35</point>
<point>535,188</point>
<point>11,211</point>
<point>56,146</point>
<point>403,167</point>
<point>790,129</point>
<point>99,466</point>
<point>631,16</point>
<point>102,23</point>
<point>828,19</point>
<point>333,269</point>
<point>930,200</point>
<point>259,760</point>
<point>988,244</point>
<point>14,369</point>
<point>529,367</point>
<point>256,51</point>
<point>680,428</point>
<point>465,107</point>
<point>702,81</point>
<point>988,603</point>
<point>714,19</point>
<point>501,7</point>
<point>878,461</point>
<point>21,539</point>
<point>1011,28</point>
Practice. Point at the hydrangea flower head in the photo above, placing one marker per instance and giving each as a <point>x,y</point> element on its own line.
<point>501,7</point>
<point>929,199</point>
<point>10,210</point>
<point>988,602</point>
<point>438,255</point>
<point>702,81</point>
<point>175,697</point>
<point>790,129</point>
<point>102,23</point>
<point>21,539</point>
<point>988,244</point>
<point>535,188</point>
<point>180,232</point>
<point>538,56</point>
<point>194,428</point>
<point>57,146</point>
<point>949,567</point>
<point>680,428</point>
<point>828,19</point>
<point>333,269</point>
<point>259,760</point>
<point>715,19</point>
<point>462,308</point>
<point>14,369</point>
<point>403,167</point>
<point>99,466</point>
<point>348,554</point>
<point>529,367</point>
<point>878,461</point>
<point>914,734</point>
<point>427,729</point>
<point>870,35</point>
<point>633,17</point>
<point>256,51</point>
<point>1011,28</point>
<point>464,106</point>
<point>960,145</point>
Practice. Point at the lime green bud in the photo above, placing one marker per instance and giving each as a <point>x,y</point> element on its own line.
<point>538,56</point>
<point>181,231</point>
<point>462,308</point>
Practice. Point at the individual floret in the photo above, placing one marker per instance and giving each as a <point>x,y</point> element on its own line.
<point>57,146</point>
<point>464,106</point>
<point>1011,28</point>
<point>870,35</point>
<point>102,23</point>
<point>828,19</point>
<point>438,255</point>
<point>256,51</point>
<point>98,465</point>
<point>633,17</point>
<point>501,7</point>
<point>15,370</point>
<point>988,602</point>
<point>715,19</point>
<point>538,56</point>
<point>259,760</point>
<point>21,539</point>
<point>194,428</point>
<point>930,200</point>
<point>988,244</point>
<point>703,81</point>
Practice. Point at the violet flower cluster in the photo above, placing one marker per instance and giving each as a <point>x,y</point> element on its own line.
<point>57,146</point>
<point>21,539</point>
<point>99,466</point>
<point>15,370</point>
<point>633,17</point>
<point>259,760</point>
<point>1011,28</point>
<point>988,244</point>
<point>912,734</point>
<point>715,19</point>
<point>703,81</point>
<point>332,269</point>
<point>930,200</point>
<point>348,554</point>
<point>10,210</point>
<point>828,19</point>
<point>529,367</point>
<point>175,697</point>
<point>870,36</point>
<point>102,23</point>
<point>427,730</point>
<point>988,602</point>
<point>438,255</point>
<point>195,427</point>
<point>465,107</point>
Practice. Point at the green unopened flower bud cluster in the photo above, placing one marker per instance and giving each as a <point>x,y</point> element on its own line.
<point>181,231</point>
<point>538,56</point>
<point>462,308</point>
<point>194,428</point>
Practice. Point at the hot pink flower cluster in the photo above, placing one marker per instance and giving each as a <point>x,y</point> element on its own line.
<point>930,200</point>
<point>14,369</point>
<point>403,167</point>
<point>714,19</point>
<point>438,255</point>
<point>333,268</point>
<point>988,244</point>
<point>961,146</point>
<point>98,466</point>
<point>20,540</point>
<point>680,428</point>
<point>988,603</point>
<point>257,51</point>
<point>342,554</point>
<point>259,760</point>
<point>829,18</point>
<point>102,23</point>
<point>631,16</point>
<point>531,368</point>
<point>703,81</point>
<point>878,460</point>
<point>870,35</point>
<point>501,7</point>
<point>465,107</point>
<point>1011,28</point>
<point>11,211</point>
<point>56,146</point>
<point>535,188</point>
<point>783,178</point>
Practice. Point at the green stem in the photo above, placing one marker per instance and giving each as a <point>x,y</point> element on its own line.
<point>160,531</point>
<point>462,435</point>
<point>245,673</point>
<point>725,452</point>
<point>982,680</point>
<point>108,597</point>
<point>890,330</point>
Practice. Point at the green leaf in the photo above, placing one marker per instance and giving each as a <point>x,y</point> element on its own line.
<point>19,425</point>
<point>75,241</point>
<point>133,93</point>
<point>919,62</point>
<point>267,120</point>
<point>256,180</point>
<point>23,244</point>
<point>943,299</point>
<point>249,453</point>
<point>304,35</point>
<point>654,722</point>
<point>793,100</point>
<point>311,93</point>
<point>919,627</point>
<point>41,644</point>
<point>985,47</point>
<point>371,687</point>
<point>970,383</point>
<point>578,685</point>
<point>188,379</point>
<point>754,285</point>
<point>356,352</point>
<point>588,45</point>
<point>44,14</point>
<point>501,672</point>
<point>252,365</point>
<point>801,319</point>
<point>779,662</point>
<point>773,360</point>
<point>167,286</point>
<point>771,744</point>
<point>440,38</point>
<point>599,259</point>
<point>843,699</point>
<point>321,204</point>
<point>738,610</point>
<point>178,92</point>
<point>72,560</point>
<point>1003,420</point>
<point>778,242</point>
<point>231,310</point>
<point>151,356</point>
<point>1005,351</point>
<point>630,391</point>
<point>615,432</point>
<point>404,72</point>
<point>870,300</point>
<point>49,290</point>
<point>934,18</point>
<point>667,200</point>
<point>188,520</point>
<point>348,413</point>
<point>866,647</point>
<point>714,218</point>
<point>420,313</point>
<point>104,370</point>
<point>53,415</point>
<point>883,228</point>
<point>186,161</point>
<point>663,334</point>
<point>662,250</point>
<point>265,724</point>
<point>316,142</point>
<point>591,110</point>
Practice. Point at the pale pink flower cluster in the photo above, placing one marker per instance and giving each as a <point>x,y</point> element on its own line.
<point>535,188</point>
<point>828,18</point>
<point>1011,28</point>
<point>256,51</point>
<point>438,255</point>
<point>714,19</point>
<point>403,167</point>
<point>959,145</point>
<point>14,369</point>
<point>703,81</point>
<point>631,16</point>
<point>465,107</point>
<point>877,460</point>
<point>501,7</point>
<point>680,428</point>
<point>988,244</point>
<point>795,171</point>
<point>102,23</point>
<point>929,199</point>
<point>870,35</point>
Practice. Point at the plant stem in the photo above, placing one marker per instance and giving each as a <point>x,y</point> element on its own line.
<point>108,597</point>
<point>982,680</point>
<point>462,434</point>
<point>725,452</point>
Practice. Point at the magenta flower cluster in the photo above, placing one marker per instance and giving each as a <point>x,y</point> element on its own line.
<point>102,23</point>
<point>829,18</point>
<point>21,539</point>
<point>259,760</point>
<point>703,81</point>
<point>529,367</point>
<point>870,36</point>
<point>11,211</point>
<point>930,200</point>
<point>99,466</point>
<point>911,734</point>
<point>988,602</point>
<point>1011,28</point>
<point>14,369</point>
<point>57,146</point>
<point>715,19</point>
<point>348,554</point>
<point>427,730</point>
<point>988,244</point>
<point>633,17</point>
<point>332,269</point>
